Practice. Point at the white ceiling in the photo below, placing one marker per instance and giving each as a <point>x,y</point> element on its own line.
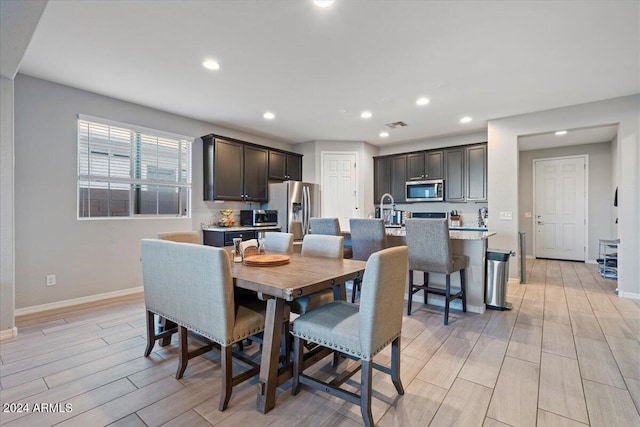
<point>572,137</point>
<point>485,59</point>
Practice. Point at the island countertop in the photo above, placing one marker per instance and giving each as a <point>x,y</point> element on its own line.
<point>453,234</point>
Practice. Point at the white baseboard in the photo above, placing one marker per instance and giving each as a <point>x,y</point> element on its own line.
<point>629,295</point>
<point>8,333</point>
<point>530,257</point>
<point>76,301</point>
<point>591,261</point>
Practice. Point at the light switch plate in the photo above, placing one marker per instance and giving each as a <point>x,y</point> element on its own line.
<point>527,214</point>
<point>506,215</point>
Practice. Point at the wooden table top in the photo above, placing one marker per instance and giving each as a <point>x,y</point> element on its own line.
<point>303,275</point>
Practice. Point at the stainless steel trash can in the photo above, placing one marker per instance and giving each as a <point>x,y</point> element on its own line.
<point>497,277</point>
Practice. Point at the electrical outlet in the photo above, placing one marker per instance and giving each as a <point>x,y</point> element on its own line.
<point>506,215</point>
<point>51,279</point>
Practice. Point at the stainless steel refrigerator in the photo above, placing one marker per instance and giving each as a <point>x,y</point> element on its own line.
<point>295,202</point>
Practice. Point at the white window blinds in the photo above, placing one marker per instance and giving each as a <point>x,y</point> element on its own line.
<point>125,171</point>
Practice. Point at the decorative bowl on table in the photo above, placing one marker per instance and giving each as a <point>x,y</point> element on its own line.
<point>226,220</point>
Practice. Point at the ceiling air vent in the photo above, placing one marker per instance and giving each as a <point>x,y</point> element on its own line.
<point>395,125</point>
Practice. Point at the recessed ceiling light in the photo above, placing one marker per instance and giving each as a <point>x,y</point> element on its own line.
<point>269,115</point>
<point>366,114</point>
<point>384,134</point>
<point>561,132</point>
<point>422,101</point>
<point>465,119</point>
<point>323,3</point>
<point>210,64</point>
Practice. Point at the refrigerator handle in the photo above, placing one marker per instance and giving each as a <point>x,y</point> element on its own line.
<point>305,210</point>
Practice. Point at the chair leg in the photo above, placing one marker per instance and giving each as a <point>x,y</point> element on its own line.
<point>151,333</point>
<point>365,392</point>
<point>410,293</point>
<point>227,377</point>
<point>297,364</point>
<point>463,287</point>
<point>183,352</point>
<point>447,291</point>
<point>354,289</point>
<point>395,366</point>
<point>165,325</point>
<point>425,282</point>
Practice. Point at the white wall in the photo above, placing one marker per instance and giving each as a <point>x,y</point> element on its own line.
<point>599,185</point>
<point>7,272</point>
<point>90,256</point>
<point>503,172</point>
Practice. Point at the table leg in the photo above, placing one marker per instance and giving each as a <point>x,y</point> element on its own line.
<point>270,355</point>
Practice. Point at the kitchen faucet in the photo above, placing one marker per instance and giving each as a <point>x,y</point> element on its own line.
<point>387,220</point>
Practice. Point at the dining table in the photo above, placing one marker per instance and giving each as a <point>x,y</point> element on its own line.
<point>302,275</point>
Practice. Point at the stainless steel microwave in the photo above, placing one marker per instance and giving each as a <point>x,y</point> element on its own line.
<point>431,190</point>
<point>258,218</point>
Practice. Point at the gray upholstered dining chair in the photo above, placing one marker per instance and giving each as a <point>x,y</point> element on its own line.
<point>278,242</point>
<point>329,227</point>
<point>367,236</point>
<point>320,246</point>
<point>360,332</point>
<point>430,252</point>
<point>192,286</point>
<point>167,328</point>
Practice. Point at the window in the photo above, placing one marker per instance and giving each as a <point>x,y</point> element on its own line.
<point>127,171</point>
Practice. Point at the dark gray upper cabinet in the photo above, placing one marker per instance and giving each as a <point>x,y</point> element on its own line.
<point>294,167</point>
<point>476,177</point>
<point>398,177</point>
<point>256,170</point>
<point>285,166</point>
<point>454,175</point>
<point>277,165</point>
<point>424,165</point>
<point>382,177</point>
<point>234,170</point>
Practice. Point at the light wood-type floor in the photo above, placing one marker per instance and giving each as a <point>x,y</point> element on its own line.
<point>566,355</point>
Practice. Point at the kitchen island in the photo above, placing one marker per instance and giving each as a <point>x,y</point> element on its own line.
<point>472,244</point>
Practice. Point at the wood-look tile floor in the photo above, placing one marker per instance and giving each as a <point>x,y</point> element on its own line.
<point>568,354</point>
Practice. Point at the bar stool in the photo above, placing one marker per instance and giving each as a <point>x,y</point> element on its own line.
<point>430,252</point>
<point>367,236</point>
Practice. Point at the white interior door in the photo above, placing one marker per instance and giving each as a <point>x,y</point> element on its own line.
<point>339,186</point>
<point>560,219</point>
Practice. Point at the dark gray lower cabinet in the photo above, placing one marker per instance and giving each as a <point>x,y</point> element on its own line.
<point>454,175</point>
<point>225,238</point>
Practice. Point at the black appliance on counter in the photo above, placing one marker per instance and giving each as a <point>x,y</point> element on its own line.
<point>258,217</point>
<point>436,215</point>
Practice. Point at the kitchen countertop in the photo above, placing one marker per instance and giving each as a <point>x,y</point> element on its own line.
<point>242,228</point>
<point>454,234</point>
